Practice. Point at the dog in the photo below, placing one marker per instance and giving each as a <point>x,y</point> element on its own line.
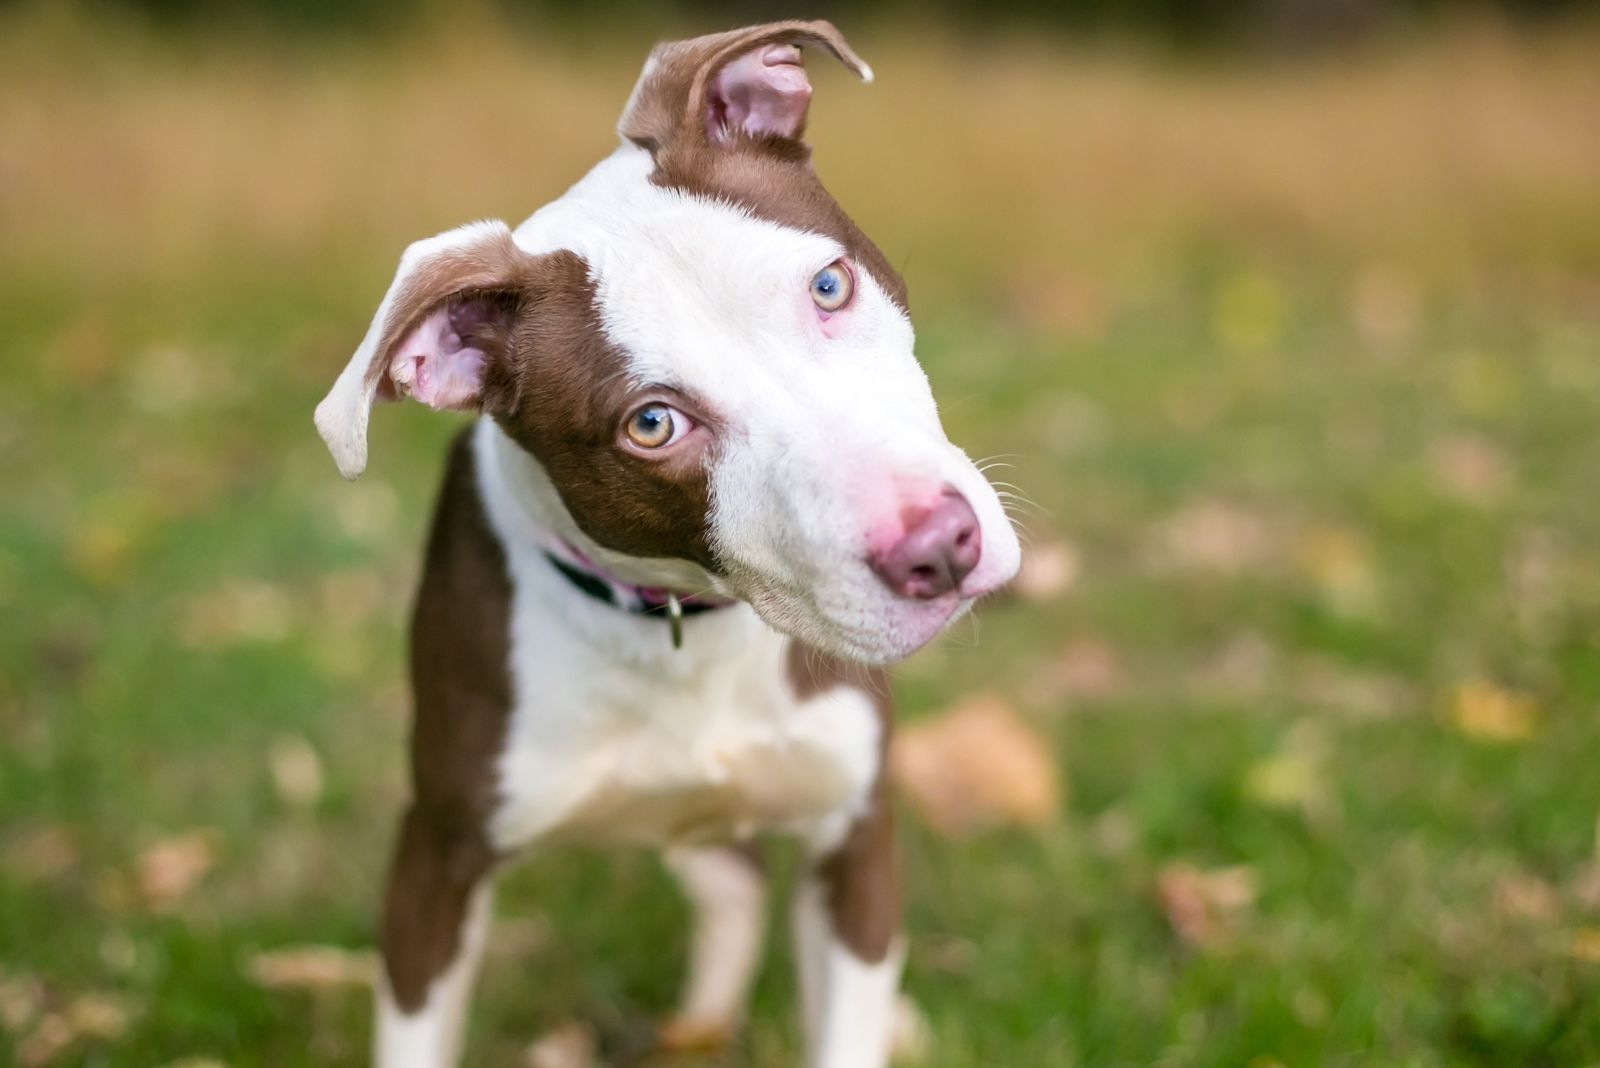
<point>706,498</point>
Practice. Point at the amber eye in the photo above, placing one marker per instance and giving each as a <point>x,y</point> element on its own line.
<point>656,425</point>
<point>832,286</point>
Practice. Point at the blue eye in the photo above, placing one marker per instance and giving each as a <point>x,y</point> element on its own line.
<point>832,286</point>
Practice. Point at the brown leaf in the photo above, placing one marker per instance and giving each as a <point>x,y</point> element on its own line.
<point>40,854</point>
<point>1047,572</point>
<point>1470,469</point>
<point>1205,906</point>
<point>571,1045</point>
<point>1086,667</point>
<point>976,766</point>
<point>171,867</point>
<point>1213,536</point>
<point>98,1015</point>
<point>1523,896</point>
<point>311,967</point>
<point>48,1040</point>
<point>21,1000</point>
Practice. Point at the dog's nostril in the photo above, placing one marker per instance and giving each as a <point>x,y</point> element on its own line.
<point>939,548</point>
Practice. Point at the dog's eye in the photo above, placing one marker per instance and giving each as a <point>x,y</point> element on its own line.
<point>832,287</point>
<point>656,426</point>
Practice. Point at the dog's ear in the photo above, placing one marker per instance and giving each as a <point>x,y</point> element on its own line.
<point>441,335</point>
<point>746,82</point>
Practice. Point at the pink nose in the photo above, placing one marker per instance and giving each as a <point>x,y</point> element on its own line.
<point>937,551</point>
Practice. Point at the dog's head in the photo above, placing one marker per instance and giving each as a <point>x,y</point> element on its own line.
<point>709,361</point>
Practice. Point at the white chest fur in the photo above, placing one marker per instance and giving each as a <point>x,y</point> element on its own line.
<point>617,736</point>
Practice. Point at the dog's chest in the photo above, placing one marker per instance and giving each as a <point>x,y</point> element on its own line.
<point>715,749</point>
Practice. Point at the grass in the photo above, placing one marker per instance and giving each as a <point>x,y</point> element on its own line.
<point>1302,362</point>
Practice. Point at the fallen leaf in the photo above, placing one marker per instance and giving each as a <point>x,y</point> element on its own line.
<point>48,1040</point>
<point>1205,906</point>
<point>1585,944</point>
<point>571,1045</point>
<point>237,613</point>
<point>21,1001</point>
<point>1242,667</point>
<point>1086,667</point>
<point>1047,571</point>
<point>1284,780</point>
<point>40,854</point>
<point>1213,536</point>
<point>1384,307</point>
<point>1470,469</point>
<point>171,867</point>
<point>1523,896</point>
<point>976,766</point>
<point>311,967</point>
<point>99,1016</point>
<point>1338,561</point>
<point>196,1062</point>
<point>296,770</point>
<point>1491,713</point>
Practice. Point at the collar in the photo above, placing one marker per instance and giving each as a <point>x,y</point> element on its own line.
<point>591,579</point>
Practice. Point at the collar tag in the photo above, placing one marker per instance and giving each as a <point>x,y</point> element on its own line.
<point>675,618</point>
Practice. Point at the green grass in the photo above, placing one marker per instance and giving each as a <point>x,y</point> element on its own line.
<point>1398,445</point>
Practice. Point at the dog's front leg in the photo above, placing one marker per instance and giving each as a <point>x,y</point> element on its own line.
<point>435,921</point>
<point>848,945</point>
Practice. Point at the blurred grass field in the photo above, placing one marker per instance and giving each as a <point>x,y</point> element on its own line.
<point>1299,361</point>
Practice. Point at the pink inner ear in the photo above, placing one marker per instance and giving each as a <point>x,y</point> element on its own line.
<point>762,92</point>
<point>433,364</point>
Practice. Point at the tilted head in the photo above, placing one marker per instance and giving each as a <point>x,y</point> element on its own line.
<point>708,361</point>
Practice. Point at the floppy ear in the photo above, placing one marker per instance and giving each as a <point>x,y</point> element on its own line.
<point>719,87</point>
<point>440,333</point>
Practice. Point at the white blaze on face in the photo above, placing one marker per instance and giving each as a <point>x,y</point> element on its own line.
<point>824,436</point>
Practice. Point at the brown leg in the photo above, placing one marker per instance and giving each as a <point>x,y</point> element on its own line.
<point>435,917</point>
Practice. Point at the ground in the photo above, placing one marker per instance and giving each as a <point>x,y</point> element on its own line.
<point>1297,365</point>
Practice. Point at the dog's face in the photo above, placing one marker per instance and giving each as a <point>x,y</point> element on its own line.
<point>711,363</point>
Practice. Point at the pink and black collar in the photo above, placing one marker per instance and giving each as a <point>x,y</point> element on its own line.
<point>590,578</point>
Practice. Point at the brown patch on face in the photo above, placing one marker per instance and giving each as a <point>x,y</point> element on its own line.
<point>860,879</point>
<point>563,396</point>
<point>461,682</point>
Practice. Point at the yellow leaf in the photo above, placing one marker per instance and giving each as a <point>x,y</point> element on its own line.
<point>1585,944</point>
<point>1491,713</point>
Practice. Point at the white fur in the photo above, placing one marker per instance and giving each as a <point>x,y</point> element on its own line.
<point>850,1007</point>
<point>729,900</point>
<point>614,735</point>
<point>617,736</point>
<point>820,435</point>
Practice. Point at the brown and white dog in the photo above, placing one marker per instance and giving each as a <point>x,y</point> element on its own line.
<point>709,492</point>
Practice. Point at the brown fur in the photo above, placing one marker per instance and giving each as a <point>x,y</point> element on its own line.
<point>860,879</point>
<point>460,637</point>
<point>571,395</point>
